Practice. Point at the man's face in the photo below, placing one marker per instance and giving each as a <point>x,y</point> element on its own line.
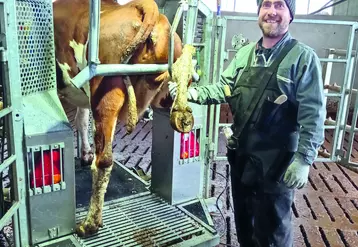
<point>274,18</point>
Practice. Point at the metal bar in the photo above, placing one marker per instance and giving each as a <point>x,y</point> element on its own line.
<point>116,69</point>
<point>173,29</point>
<point>206,226</point>
<point>351,163</point>
<point>333,60</point>
<point>191,18</point>
<point>94,20</point>
<point>15,122</point>
<point>16,227</point>
<point>52,175</point>
<point>353,129</point>
<point>42,169</point>
<point>204,9</point>
<point>61,163</point>
<point>5,111</point>
<point>7,162</point>
<point>33,168</point>
<point>338,134</point>
<point>332,159</point>
<point>305,21</point>
<point>221,68</point>
<point>332,94</point>
<point>13,210</point>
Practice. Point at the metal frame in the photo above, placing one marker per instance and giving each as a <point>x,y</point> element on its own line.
<point>94,68</point>
<point>14,115</point>
<point>340,126</point>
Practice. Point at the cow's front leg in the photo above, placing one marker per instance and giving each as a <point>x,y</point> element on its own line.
<point>82,123</point>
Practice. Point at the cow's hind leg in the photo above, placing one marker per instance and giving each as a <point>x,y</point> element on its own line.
<point>82,123</point>
<point>105,112</point>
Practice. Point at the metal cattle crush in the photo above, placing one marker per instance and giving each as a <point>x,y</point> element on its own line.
<point>48,194</point>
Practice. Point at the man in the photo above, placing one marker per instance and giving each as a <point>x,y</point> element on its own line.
<point>275,91</point>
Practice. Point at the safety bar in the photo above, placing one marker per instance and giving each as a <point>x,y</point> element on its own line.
<point>183,6</point>
<point>95,69</point>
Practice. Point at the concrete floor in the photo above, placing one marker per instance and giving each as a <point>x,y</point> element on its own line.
<point>325,211</point>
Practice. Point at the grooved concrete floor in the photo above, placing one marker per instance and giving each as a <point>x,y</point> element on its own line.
<point>325,211</point>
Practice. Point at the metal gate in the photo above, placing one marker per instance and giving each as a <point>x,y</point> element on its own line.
<point>341,61</point>
<point>12,123</point>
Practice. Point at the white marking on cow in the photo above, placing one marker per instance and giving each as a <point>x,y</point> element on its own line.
<point>113,129</point>
<point>65,68</point>
<point>82,123</point>
<point>79,51</point>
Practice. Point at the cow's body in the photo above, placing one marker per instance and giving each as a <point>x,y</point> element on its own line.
<point>136,31</point>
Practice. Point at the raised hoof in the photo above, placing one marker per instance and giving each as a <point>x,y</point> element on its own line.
<point>87,229</point>
<point>182,122</point>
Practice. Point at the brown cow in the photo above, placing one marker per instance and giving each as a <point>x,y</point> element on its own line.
<point>136,31</point>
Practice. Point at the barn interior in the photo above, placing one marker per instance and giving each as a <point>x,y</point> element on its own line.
<point>166,188</point>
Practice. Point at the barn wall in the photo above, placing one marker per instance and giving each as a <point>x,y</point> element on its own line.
<point>348,8</point>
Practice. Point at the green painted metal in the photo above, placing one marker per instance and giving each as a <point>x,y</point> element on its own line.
<point>11,80</point>
<point>206,78</point>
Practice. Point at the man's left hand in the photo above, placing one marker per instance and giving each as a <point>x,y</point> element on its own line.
<point>296,175</point>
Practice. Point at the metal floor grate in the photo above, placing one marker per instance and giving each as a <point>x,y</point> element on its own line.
<point>144,221</point>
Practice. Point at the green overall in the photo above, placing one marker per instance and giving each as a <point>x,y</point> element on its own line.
<point>262,147</point>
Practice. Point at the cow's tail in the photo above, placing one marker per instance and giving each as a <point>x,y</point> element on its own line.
<point>150,13</point>
<point>132,106</point>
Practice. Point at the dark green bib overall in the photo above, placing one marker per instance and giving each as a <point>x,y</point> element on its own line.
<point>259,153</point>
<point>267,142</point>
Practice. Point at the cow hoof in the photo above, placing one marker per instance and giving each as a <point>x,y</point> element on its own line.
<point>87,158</point>
<point>182,122</point>
<point>86,229</point>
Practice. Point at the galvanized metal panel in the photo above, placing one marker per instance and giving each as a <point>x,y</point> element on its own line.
<point>175,179</point>
<point>347,8</point>
<point>53,214</point>
<point>36,45</point>
<point>11,82</point>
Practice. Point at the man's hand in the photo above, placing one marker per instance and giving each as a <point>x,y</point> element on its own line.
<point>192,94</point>
<point>296,175</point>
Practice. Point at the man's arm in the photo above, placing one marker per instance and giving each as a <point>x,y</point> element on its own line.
<point>215,93</point>
<point>311,106</point>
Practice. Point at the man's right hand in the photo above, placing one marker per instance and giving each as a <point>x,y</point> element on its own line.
<point>192,94</point>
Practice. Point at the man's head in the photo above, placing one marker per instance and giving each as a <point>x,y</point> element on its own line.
<point>275,16</point>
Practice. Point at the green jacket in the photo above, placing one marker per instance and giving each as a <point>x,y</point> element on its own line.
<point>299,76</point>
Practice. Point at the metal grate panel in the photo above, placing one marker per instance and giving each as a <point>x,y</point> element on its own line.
<point>199,29</point>
<point>143,221</point>
<point>45,165</point>
<point>36,46</point>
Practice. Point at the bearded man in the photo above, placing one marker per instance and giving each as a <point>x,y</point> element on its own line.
<point>275,91</point>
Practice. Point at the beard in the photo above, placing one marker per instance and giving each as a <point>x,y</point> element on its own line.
<point>273,30</point>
